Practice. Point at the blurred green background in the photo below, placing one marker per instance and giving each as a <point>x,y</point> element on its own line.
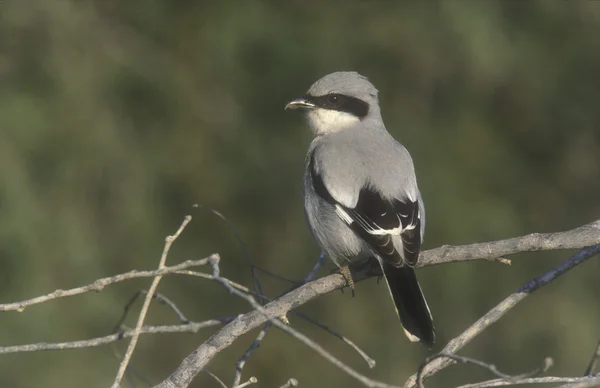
<point>117,115</point>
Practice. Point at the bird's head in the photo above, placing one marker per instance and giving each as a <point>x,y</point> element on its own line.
<point>338,101</point>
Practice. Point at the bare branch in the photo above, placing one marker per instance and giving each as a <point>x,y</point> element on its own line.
<point>253,266</point>
<point>303,316</point>
<point>215,377</point>
<point>138,327</point>
<point>495,251</point>
<point>251,380</point>
<point>191,327</point>
<point>315,268</point>
<point>577,238</point>
<point>190,366</point>
<point>491,367</point>
<point>370,362</point>
<point>160,297</point>
<point>536,380</point>
<point>98,285</point>
<point>502,308</point>
<point>589,383</point>
<point>239,367</point>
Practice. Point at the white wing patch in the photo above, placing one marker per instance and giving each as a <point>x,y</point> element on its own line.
<point>343,215</point>
<point>367,225</point>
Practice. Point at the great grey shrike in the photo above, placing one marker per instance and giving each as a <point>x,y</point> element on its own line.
<point>360,192</point>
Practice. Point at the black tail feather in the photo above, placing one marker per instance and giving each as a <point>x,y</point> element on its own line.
<point>410,303</point>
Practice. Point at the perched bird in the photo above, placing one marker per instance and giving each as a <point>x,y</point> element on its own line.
<point>360,192</point>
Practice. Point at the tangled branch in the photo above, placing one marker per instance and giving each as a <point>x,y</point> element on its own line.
<point>588,235</point>
<point>586,238</point>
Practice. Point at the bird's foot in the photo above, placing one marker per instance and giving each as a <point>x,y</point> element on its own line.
<point>345,271</point>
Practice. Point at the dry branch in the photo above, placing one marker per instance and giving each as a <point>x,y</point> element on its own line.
<point>589,383</point>
<point>98,285</point>
<point>491,367</point>
<point>536,380</point>
<point>493,251</point>
<point>577,238</point>
<point>191,327</point>
<point>140,323</point>
<point>499,310</point>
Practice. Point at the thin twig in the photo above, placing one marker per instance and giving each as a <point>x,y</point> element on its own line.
<point>502,308</point>
<point>276,276</point>
<point>251,380</point>
<point>98,285</point>
<point>239,366</point>
<point>191,327</point>
<point>315,268</point>
<point>594,361</point>
<point>201,356</point>
<point>217,379</point>
<point>210,277</point>
<point>491,367</point>
<point>533,380</point>
<point>190,366</point>
<point>172,305</point>
<point>158,296</point>
<point>577,238</point>
<point>140,323</point>
<point>370,362</point>
<point>238,237</point>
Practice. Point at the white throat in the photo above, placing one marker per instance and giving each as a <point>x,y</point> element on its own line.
<point>324,121</point>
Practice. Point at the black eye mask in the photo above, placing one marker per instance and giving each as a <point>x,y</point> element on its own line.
<point>342,103</point>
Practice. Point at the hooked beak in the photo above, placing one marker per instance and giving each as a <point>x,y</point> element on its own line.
<point>300,103</point>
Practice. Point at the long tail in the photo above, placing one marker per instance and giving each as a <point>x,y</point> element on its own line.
<point>410,303</point>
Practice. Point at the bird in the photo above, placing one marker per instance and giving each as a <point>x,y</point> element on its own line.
<point>361,198</point>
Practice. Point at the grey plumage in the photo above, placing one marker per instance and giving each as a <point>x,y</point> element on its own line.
<point>360,192</point>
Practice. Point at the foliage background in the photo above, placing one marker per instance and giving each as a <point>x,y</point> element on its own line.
<point>116,116</point>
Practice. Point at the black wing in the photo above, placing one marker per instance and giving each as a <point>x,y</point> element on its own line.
<point>376,219</point>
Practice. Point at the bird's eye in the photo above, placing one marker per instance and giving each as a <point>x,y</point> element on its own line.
<point>333,99</point>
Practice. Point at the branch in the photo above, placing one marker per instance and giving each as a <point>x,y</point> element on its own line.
<point>215,377</point>
<point>239,366</point>
<point>98,285</point>
<point>140,323</point>
<point>581,237</point>
<point>491,367</point>
<point>492,251</point>
<point>499,310</point>
<point>591,382</point>
<point>537,380</point>
<point>585,235</point>
<point>198,360</point>
<point>191,327</point>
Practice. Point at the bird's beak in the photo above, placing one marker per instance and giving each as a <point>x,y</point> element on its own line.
<point>300,103</point>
